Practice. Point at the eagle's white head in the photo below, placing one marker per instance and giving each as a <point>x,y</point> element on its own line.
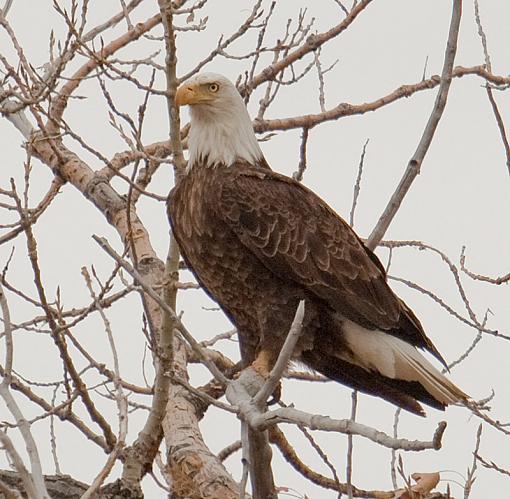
<point>221,128</point>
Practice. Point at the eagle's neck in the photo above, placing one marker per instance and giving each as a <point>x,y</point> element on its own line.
<point>222,137</point>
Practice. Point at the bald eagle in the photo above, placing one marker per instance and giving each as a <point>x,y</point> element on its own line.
<point>259,242</point>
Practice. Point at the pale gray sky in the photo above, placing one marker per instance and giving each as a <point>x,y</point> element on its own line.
<point>460,199</point>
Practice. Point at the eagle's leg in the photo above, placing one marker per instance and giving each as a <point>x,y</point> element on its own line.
<point>264,362</point>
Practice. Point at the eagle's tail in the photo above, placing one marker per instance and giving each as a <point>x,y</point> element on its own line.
<point>378,363</point>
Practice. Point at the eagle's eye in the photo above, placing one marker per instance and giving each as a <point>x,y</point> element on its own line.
<point>214,87</point>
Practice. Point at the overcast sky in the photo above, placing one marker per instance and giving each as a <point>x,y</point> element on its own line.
<point>460,199</point>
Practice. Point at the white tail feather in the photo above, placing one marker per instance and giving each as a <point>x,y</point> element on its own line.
<point>438,385</point>
<point>394,358</point>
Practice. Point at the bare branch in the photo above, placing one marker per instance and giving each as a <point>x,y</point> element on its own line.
<point>6,7</point>
<point>6,319</point>
<point>120,399</point>
<point>255,448</point>
<point>179,325</point>
<point>357,184</point>
<point>223,44</point>
<point>471,471</point>
<point>396,420</point>
<point>413,168</point>
<point>345,109</point>
<point>60,342</point>
<point>313,42</point>
<point>350,445</point>
<point>290,415</point>
<point>172,83</point>
<point>238,394</point>
<point>60,103</point>
<point>501,125</point>
<point>26,479</point>
<point>298,175</point>
<point>35,213</point>
<point>112,22</point>
<point>493,466</point>
<point>283,358</point>
<point>195,470</point>
<point>475,322</point>
<point>34,482</point>
<point>229,450</point>
<point>478,277</point>
<point>490,95</point>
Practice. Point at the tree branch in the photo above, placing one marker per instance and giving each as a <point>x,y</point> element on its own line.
<point>313,42</point>
<point>414,165</point>
<point>60,102</point>
<point>34,482</point>
<point>283,358</point>
<point>179,325</point>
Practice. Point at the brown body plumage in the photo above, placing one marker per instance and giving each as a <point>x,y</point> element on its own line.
<point>259,242</point>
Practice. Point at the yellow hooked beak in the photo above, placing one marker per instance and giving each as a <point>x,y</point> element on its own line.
<point>187,94</point>
<point>196,93</point>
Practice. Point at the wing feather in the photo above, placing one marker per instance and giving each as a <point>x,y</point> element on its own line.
<point>299,237</point>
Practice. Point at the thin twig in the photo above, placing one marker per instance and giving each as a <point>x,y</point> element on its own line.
<point>53,438</point>
<point>393,464</point>
<point>223,44</point>
<point>468,351</point>
<point>292,457</point>
<point>488,89</point>
<point>312,43</point>
<point>60,342</point>
<point>298,174</point>
<point>471,471</point>
<point>478,277</point>
<point>323,456</point>
<point>350,445</point>
<point>120,399</point>
<point>492,466</point>
<point>357,184</point>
